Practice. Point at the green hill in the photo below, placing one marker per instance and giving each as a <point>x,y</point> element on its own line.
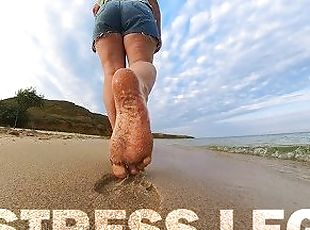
<point>171,136</point>
<point>64,116</point>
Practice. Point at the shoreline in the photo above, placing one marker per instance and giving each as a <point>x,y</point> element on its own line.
<point>230,181</point>
<point>59,134</point>
<point>70,174</point>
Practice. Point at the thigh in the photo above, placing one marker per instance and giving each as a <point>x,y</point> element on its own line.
<point>111,52</point>
<point>139,47</point>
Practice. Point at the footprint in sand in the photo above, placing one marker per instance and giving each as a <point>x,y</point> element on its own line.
<point>131,194</point>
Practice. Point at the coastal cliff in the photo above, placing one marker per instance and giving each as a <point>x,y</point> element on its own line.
<point>65,116</point>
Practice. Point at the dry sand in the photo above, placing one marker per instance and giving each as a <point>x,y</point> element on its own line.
<point>49,171</point>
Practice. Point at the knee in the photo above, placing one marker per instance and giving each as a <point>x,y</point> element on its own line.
<point>142,62</point>
<point>141,59</point>
<point>144,67</point>
<point>111,68</point>
<point>111,72</point>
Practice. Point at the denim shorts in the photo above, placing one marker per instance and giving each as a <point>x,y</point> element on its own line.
<point>125,17</point>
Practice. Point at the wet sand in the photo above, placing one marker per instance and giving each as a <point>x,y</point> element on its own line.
<point>73,173</point>
<point>206,182</point>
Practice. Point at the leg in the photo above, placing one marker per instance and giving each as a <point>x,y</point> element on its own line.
<point>112,56</point>
<point>131,88</point>
<point>140,50</point>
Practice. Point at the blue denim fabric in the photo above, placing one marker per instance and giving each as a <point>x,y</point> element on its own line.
<point>125,17</point>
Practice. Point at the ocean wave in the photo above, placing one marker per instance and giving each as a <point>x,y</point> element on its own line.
<point>290,152</point>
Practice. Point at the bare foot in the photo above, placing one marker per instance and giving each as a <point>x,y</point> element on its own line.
<point>131,142</point>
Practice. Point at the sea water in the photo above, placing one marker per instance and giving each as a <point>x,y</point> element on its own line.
<point>288,146</point>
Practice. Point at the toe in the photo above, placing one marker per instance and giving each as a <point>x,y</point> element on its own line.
<point>133,170</point>
<point>119,171</point>
<point>147,161</point>
<point>144,163</point>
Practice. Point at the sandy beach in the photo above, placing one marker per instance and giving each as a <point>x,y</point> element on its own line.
<point>71,172</point>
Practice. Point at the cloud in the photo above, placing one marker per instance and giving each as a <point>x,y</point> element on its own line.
<point>44,45</point>
<point>225,66</point>
<point>229,60</point>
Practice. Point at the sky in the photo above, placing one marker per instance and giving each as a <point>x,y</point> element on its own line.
<point>226,67</point>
